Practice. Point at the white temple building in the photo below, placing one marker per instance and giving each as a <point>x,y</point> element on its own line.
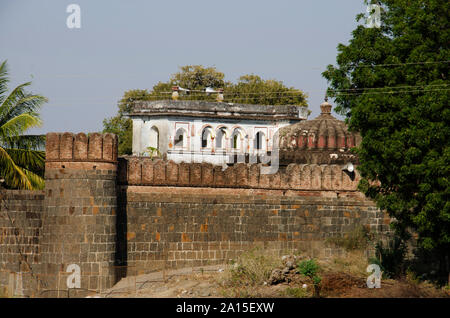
<point>201,131</point>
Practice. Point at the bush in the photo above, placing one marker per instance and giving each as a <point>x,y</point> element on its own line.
<point>310,269</point>
<point>252,268</point>
<point>391,259</point>
<point>430,265</point>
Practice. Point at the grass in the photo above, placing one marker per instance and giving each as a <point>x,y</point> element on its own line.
<point>252,268</point>
<point>353,262</point>
<point>342,276</point>
<point>297,292</point>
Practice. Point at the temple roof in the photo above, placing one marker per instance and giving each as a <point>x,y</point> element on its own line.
<point>324,139</point>
<point>206,109</point>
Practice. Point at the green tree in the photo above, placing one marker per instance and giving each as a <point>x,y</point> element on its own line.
<point>122,126</point>
<point>392,84</point>
<point>250,89</point>
<point>21,161</point>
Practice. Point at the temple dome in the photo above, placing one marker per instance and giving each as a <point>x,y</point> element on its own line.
<point>322,140</point>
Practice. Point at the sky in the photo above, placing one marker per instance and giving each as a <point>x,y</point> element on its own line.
<point>125,45</point>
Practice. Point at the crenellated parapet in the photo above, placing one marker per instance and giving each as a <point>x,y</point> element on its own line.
<point>94,147</point>
<point>144,171</point>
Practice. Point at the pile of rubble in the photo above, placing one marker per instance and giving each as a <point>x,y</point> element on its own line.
<point>288,272</point>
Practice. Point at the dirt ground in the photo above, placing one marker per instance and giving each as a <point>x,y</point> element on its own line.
<point>207,282</point>
<point>187,282</point>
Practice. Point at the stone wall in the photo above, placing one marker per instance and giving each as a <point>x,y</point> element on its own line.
<point>102,212</point>
<point>79,221</point>
<point>20,227</point>
<point>169,227</point>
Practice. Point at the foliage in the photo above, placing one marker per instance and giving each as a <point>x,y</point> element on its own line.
<point>153,152</point>
<point>311,269</point>
<point>197,77</point>
<point>21,159</point>
<point>391,258</point>
<point>297,292</point>
<point>353,262</point>
<point>392,84</point>
<point>308,268</point>
<point>425,265</point>
<point>250,89</point>
<point>122,126</point>
<point>252,268</point>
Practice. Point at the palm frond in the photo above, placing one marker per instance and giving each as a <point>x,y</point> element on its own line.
<point>19,124</point>
<point>22,161</point>
<point>19,102</point>
<point>37,181</point>
<point>31,142</point>
<point>28,159</point>
<point>14,176</point>
<point>28,104</point>
<point>4,80</point>
<point>10,101</point>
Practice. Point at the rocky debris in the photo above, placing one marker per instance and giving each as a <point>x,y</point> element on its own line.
<point>276,277</point>
<point>287,272</point>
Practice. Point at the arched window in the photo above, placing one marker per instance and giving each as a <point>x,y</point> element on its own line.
<point>236,140</point>
<point>180,138</point>
<point>220,138</point>
<point>260,140</point>
<point>206,137</point>
<point>154,137</point>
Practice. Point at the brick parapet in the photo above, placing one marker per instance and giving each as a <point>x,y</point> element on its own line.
<point>95,147</point>
<point>144,171</point>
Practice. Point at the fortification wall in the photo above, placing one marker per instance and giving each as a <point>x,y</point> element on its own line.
<point>79,221</point>
<point>99,211</point>
<point>192,214</point>
<point>170,227</point>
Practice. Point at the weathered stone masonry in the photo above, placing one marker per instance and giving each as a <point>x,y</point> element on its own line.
<point>99,211</point>
<point>79,220</point>
<point>20,227</point>
<point>170,227</point>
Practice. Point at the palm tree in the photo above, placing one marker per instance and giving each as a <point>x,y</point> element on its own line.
<point>22,159</point>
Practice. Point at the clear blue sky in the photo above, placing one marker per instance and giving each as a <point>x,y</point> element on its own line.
<point>126,45</point>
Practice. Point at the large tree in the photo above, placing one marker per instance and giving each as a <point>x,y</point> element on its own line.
<point>250,89</point>
<point>392,84</point>
<point>21,156</point>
